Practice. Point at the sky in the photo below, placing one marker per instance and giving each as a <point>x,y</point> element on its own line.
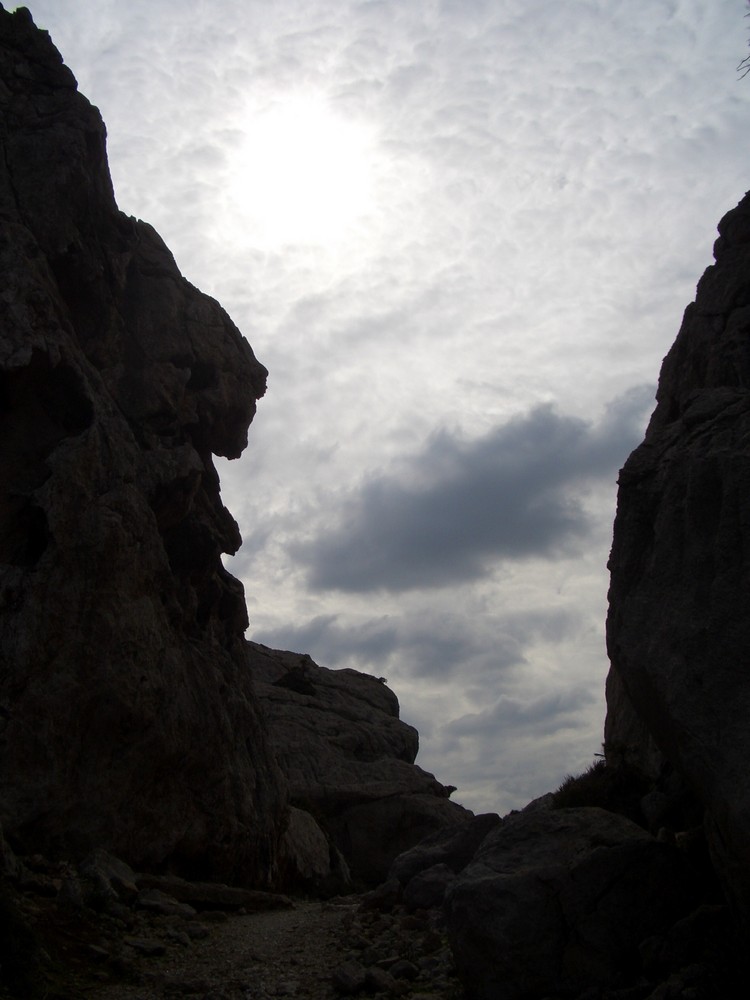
<point>461,235</point>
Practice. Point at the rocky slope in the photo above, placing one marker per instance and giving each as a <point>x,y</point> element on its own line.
<point>349,762</point>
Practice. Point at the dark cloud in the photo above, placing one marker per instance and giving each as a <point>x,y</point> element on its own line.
<point>423,644</point>
<point>332,645</point>
<point>540,716</point>
<point>461,506</point>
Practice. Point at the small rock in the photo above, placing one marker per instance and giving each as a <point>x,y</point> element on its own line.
<point>379,981</point>
<point>70,895</point>
<point>146,946</point>
<point>118,911</point>
<point>388,961</point>
<point>179,937</point>
<point>412,922</point>
<point>431,942</point>
<point>287,989</point>
<point>427,888</point>
<point>349,978</point>
<point>374,954</point>
<point>109,874</point>
<point>404,969</point>
<point>156,901</point>
<point>384,897</point>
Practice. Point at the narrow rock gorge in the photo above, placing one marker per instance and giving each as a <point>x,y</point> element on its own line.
<point>157,768</point>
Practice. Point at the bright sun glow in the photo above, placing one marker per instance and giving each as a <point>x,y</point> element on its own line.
<point>303,174</point>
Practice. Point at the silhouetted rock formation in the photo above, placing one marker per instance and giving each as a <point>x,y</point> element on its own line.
<point>573,899</point>
<point>678,627</point>
<point>129,719</point>
<point>127,715</point>
<point>349,760</point>
<point>558,900</point>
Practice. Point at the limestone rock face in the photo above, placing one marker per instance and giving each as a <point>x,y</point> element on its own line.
<point>349,760</point>
<point>678,627</point>
<point>128,719</point>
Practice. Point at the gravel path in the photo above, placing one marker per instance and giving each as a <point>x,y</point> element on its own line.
<point>315,951</point>
<point>285,953</point>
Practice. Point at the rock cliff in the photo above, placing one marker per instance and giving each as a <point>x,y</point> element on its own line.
<point>134,716</point>
<point>127,715</point>
<point>619,882</point>
<point>678,630</point>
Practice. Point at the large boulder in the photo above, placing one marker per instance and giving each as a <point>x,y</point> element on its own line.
<point>453,847</point>
<point>128,719</point>
<point>558,901</point>
<point>349,759</point>
<point>678,631</point>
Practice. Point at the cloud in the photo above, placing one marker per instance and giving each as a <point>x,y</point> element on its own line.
<point>431,646</point>
<point>425,644</point>
<point>540,716</point>
<point>459,507</point>
<point>332,645</point>
<point>518,749</point>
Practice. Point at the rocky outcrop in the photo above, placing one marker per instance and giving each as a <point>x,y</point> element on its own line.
<point>559,901</point>
<point>128,719</point>
<point>678,630</point>
<point>349,760</point>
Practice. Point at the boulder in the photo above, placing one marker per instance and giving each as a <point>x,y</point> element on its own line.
<point>452,846</point>
<point>349,760</point>
<point>558,901</point>
<point>427,889</point>
<point>678,632</point>
<point>309,860</point>
<point>213,896</point>
<point>128,719</point>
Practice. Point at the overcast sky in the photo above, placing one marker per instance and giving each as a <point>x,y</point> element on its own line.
<point>461,235</point>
